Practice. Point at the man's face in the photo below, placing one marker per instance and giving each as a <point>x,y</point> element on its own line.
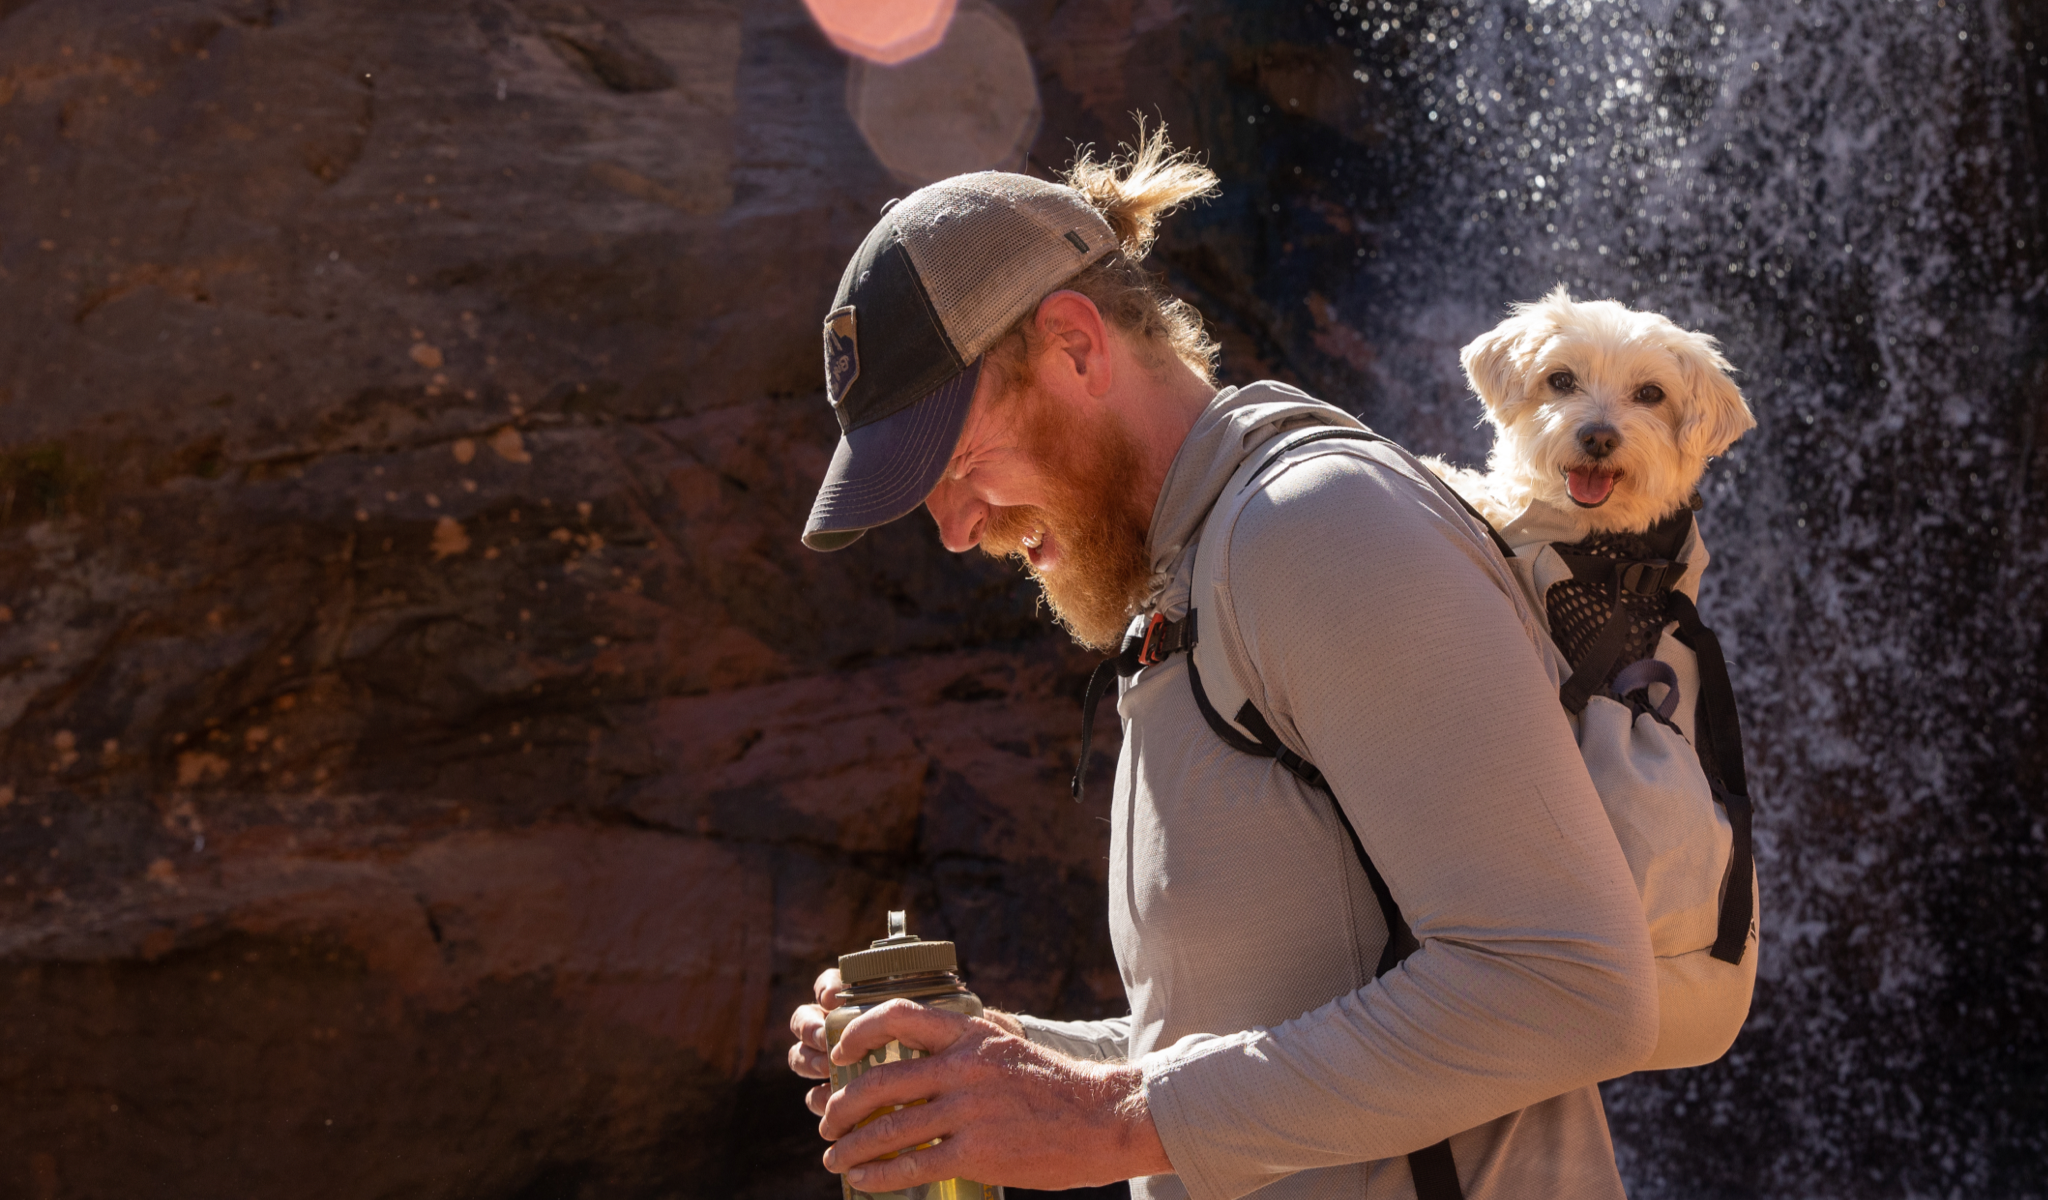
<point>1051,484</point>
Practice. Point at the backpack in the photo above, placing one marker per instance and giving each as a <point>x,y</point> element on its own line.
<point>1679,806</point>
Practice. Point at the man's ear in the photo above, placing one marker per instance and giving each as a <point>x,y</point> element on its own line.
<point>1716,414</point>
<point>1069,323</point>
<point>1496,364</point>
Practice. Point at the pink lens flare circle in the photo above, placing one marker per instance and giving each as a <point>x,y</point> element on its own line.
<point>883,31</point>
<point>968,104</point>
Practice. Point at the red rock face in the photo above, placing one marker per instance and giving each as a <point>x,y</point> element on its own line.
<point>433,766</point>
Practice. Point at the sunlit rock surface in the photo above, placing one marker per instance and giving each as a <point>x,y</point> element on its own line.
<point>432,766</point>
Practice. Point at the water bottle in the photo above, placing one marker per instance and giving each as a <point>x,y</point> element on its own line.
<point>900,965</point>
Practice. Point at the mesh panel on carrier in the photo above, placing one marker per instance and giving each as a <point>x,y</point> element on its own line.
<point>1578,609</point>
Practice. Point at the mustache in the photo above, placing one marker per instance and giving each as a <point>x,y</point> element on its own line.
<point>1004,531</point>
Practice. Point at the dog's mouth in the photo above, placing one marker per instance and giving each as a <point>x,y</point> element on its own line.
<point>1590,487</point>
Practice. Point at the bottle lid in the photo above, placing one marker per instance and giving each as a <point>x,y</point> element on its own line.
<point>897,954</point>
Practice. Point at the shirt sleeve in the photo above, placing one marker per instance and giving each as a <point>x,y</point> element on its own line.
<point>1098,1041</point>
<point>1388,651</point>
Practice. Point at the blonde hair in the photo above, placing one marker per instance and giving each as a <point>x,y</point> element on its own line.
<point>1133,191</point>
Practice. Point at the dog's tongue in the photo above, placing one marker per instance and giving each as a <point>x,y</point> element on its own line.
<point>1588,487</point>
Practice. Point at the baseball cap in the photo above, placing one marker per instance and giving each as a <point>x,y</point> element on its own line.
<point>937,282</point>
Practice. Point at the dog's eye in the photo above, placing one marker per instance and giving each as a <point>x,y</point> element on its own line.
<point>1649,393</point>
<point>1564,382</point>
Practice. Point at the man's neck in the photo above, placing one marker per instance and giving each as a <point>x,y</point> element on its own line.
<point>1161,408</point>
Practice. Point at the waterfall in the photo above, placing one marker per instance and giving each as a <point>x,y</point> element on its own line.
<point>1845,193</point>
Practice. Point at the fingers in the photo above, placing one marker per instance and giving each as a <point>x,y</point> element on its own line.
<point>809,1063</point>
<point>928,1029</point>
<point>942,1161</point>
<point>815,1098</point>
<point>805,1020</point>
<point>827,988</point>
<point>884,1086</point>
<point>807,1056</point>
<point>892,1132</point>
<point>808,1024</point>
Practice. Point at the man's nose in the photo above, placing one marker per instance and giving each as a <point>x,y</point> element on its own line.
<point>959,514</point>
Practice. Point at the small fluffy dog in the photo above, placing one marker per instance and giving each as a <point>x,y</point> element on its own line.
<point>1598,411</point>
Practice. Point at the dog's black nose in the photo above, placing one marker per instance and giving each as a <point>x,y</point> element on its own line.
<point>1599,441</point>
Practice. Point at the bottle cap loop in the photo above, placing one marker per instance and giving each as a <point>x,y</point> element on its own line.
<point>898,954</point>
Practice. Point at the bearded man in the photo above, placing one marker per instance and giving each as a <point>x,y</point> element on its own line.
<point>1399,971</point>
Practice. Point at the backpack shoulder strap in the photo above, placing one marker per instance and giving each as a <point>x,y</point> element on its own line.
<point>1720,750</point>
<point>1434,1169</point>
<point>1264,743</point>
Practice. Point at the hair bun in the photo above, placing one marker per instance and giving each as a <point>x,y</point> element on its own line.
<point>1136,189</point>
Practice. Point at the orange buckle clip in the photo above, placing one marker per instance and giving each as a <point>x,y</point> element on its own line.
<point>1145,655</point>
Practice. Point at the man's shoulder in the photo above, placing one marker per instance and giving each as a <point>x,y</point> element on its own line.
<point>1358,515</point>
<point>1331,485</point>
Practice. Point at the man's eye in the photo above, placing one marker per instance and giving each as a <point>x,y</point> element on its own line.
<point>1564,382</point>
<point>1649,393</point>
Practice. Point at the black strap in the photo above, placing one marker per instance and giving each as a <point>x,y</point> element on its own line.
<point>1434,1169</point>
<point>1099,681</point>
<point>1435,1172</point>
<point>1590,677</point>
<point>1718,733</point>
<point>1401,940</point>
<point>1645,577</point>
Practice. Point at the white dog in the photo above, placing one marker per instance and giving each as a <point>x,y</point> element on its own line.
<point>1599,411</point>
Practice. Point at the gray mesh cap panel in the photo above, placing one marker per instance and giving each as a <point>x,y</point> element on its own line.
<point>989,246</point>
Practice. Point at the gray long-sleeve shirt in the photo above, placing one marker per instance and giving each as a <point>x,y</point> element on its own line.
<point>1366,617</point>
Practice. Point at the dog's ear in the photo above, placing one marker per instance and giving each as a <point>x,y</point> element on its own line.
<point>1717,414</point>
<point>1496,367</point>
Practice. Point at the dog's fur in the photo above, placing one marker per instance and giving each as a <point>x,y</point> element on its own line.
<point>1603,436</point>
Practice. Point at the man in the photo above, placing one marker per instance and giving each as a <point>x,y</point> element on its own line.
<point>996,354</point>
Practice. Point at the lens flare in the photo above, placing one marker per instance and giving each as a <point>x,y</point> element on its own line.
<point>883,31</point>
<point>969,105</point>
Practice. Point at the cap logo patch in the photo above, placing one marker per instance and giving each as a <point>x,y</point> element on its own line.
<point>842,354</point>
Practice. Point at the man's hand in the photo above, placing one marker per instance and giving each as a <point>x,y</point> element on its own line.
<point>1003,1111</point>
<point>807,1057</point>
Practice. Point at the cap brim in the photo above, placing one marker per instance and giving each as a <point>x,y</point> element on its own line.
<point>885,469</point>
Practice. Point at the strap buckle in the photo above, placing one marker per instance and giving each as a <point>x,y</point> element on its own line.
<point>1149,650</point>
<point>1161,639</point>
<point>1651,577</point>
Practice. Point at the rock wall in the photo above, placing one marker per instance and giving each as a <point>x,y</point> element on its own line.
<point>431,766</point>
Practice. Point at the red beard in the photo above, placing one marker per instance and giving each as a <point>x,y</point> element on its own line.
<point>1102,572</point>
